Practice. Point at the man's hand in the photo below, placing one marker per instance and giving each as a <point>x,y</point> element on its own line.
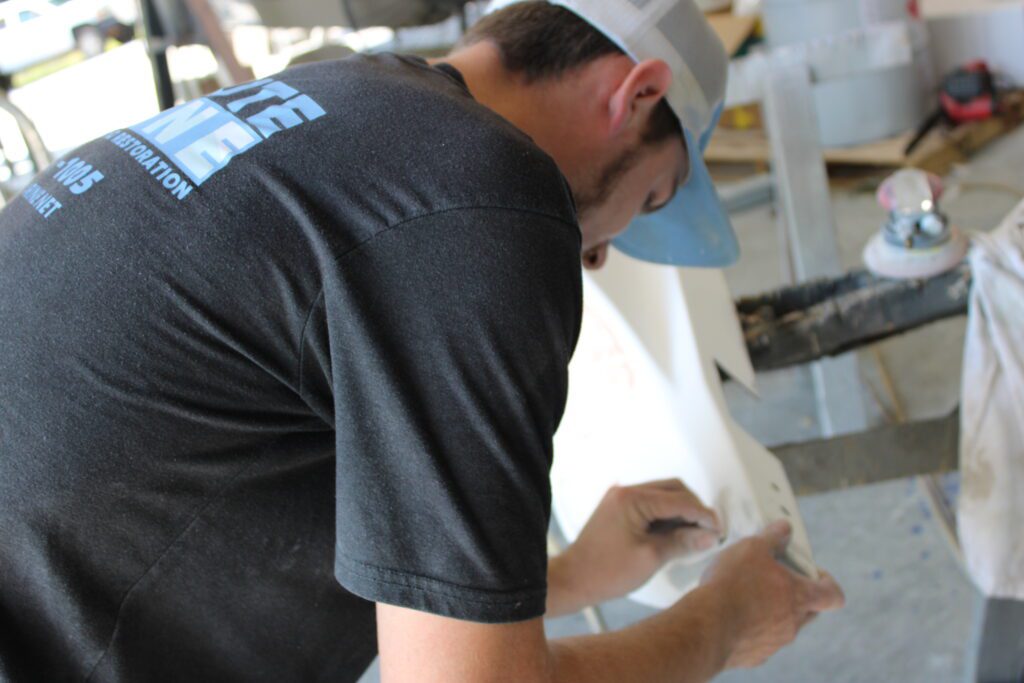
<point>747,607</point>
<point>765,604</point>
<point>633,532</point>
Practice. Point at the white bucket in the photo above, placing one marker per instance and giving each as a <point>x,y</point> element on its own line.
<point>796,21</point>
<point>870,106</point>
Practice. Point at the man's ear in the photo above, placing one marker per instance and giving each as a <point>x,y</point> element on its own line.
<point>638,94</point>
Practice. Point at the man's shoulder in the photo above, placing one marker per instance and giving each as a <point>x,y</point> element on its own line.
<point>416,122</point>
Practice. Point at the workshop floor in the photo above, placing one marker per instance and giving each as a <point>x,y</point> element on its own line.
<point>910,608</point>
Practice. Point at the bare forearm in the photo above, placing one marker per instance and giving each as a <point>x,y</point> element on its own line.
<point>748,606</point>
<point>688,643</point>
<point>566,596</point>
<point>577,579</point>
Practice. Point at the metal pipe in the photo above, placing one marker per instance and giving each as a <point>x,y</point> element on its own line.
<point>155,38</point>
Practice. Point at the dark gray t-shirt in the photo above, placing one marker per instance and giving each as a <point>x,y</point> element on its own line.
<point>268,357</point>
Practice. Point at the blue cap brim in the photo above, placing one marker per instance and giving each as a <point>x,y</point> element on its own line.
<point>691,230</point>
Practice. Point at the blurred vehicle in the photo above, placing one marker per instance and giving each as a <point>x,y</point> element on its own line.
<point>93,21</point>
<point>34,31</point>
<point>31,31</point>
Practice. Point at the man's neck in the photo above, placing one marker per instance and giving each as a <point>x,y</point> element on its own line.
<point>544,110</point>
<point>491,84</point>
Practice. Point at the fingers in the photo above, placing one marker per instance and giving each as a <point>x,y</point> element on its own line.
<point>683,542</point>
<point>684,507</point>
<point>816,596</point>
<point>686,541</point>
<point>697,539</point>
<point>659,504</point>
<point>820,595</point>
<point>778,534</point>
<point>825,594</point>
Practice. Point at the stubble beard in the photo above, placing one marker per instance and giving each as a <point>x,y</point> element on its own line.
<point>595,193</point>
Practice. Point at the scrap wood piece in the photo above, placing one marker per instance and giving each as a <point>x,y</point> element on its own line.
<point>732,30</point>
<point>751,145</point>
<point>946,147</point>
<point>803,323</point>
<point>738,146</point>
<point>938,151</point>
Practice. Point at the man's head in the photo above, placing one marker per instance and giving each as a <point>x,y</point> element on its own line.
<point>589,81</point>
<point>600,115</point>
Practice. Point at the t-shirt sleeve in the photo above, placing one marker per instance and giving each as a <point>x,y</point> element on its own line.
<point>444,343</point>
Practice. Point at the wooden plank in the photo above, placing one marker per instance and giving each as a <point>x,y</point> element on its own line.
<point>733,31</point>
<point>888,152</point>
<point>734,146</point>
<point>938,152</point>
<point>738,146</point>
<point>960,143</point>
<point>932,9</point>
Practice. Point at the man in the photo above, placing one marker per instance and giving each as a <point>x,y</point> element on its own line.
<point>280,370</point>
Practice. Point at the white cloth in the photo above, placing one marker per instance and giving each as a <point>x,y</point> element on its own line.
<point>991,516</point>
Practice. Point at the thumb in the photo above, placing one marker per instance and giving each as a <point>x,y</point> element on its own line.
<point>778,534</point>
<point>826,594</point>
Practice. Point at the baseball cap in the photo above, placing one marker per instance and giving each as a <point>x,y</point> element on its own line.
<point>693,229</point>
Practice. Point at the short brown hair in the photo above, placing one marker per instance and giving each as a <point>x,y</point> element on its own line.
<point>541,41</point>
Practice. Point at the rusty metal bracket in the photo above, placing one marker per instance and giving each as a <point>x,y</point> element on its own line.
<point>827,317</point>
